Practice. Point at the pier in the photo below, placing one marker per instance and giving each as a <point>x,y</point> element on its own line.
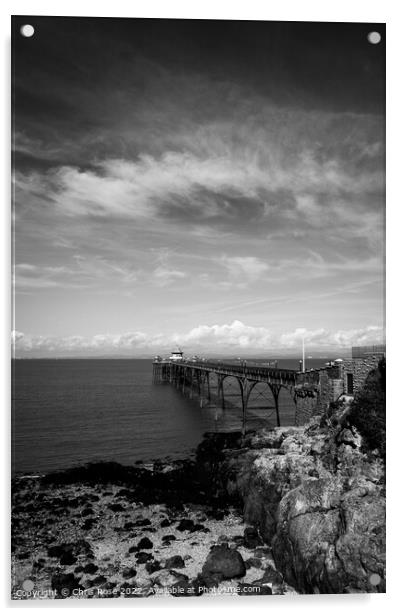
<point>194,379</point>
<point>312,391</point>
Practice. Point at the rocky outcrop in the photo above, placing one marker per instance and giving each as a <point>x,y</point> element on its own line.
<point>330,536</point>
<point>318,499</point>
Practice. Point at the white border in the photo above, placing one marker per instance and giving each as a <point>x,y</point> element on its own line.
<point>288,10</point>
<point>295,10</point>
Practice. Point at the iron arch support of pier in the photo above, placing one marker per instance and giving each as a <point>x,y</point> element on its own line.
<point>221,391</point>
<point>185,371</point>
<point>245,389</point>
<point>275,389</point>
<point>201,378</point>
<point>191,382</point>
<point>206,380</point>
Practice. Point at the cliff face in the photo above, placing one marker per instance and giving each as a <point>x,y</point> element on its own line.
<point>317,499</point>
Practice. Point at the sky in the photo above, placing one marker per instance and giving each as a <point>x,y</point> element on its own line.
<point>217,185</point>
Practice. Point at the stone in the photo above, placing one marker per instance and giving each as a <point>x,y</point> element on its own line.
<point>185,524</point>
<point>116,507</point>
<point>207,580</point>
<point>129,572</point>
<point>168,578</point>
<point>90,568</point>
<point>175,562</point>
<point>145,544</point>
<point>271,576</point>
<point>185,588</point>
<point>57,551</point>
<point>200,527</point>
<point>251,537</point>
<point>38,564</point>
<point>263,552</point>
<point>237,539</point>
<point>253,562</point>
<point>263,588</point>
<point>165,523</point>
<point>64,584</point>
<point>142,522</point>
<point>224,561</point>
<point>88,524</point>
<point>99,580</point>
<point>216,514</point>
<point>68,558</point>
<point>349,437</point>
<point>143,557</point>
<point>153,566</point>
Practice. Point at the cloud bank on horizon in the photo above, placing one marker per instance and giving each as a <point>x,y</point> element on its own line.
<point>162,182</point>
<point>229,338</point>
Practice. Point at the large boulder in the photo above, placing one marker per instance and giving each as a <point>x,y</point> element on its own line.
<point>224,562</point>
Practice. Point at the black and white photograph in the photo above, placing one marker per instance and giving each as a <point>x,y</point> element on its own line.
<point>198,330</point>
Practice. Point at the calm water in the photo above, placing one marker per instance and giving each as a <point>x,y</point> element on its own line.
<point>68,412</point>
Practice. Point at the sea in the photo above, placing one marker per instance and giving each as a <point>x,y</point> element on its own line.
<point>68,412</point>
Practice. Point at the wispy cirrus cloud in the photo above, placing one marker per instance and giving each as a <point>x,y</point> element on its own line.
<point>92,272</point>
<point>249,267</point>
<point>244,184</point>
<point>253,160</point>
<point>164,276</point>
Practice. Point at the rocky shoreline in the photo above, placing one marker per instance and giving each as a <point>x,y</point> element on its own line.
<point>142,533</point>
<point>284,511</point>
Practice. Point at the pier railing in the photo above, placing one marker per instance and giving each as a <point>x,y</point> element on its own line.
<point>252,372</point>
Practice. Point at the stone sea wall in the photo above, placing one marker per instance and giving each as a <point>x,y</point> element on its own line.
<point>359,367</point>
<point>316,389</point>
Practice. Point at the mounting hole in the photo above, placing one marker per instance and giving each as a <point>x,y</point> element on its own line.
<point>27,30</point>
<point>374,579</point>
<point>374,38</point>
